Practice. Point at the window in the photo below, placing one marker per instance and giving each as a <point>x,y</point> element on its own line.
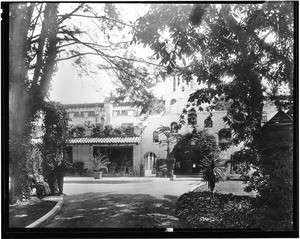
<point>178,80</point>
<point>192,117</point>
<point>116,113</point>
<point>173,101</point>
<point>150,159</point>
<point>174,83</point>
<point>124,112</point>
<point>182,88</point>
<point>155,137</point>
<point>264,119</point>
<point>208,122</point>
<point>224,138</point>
<point>76,114</point>
<point>127,124</point>
<point>91,113</point>
<point>174,127</point>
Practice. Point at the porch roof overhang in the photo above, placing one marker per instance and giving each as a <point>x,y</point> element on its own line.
<point>108,140</point>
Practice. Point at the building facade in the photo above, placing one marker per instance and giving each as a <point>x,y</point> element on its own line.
<point>144,148</point>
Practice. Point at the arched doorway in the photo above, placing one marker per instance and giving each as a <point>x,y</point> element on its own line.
<point>149,163</point>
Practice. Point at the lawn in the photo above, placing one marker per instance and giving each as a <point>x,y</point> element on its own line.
<point>226,187</point>
<point>23,214</point>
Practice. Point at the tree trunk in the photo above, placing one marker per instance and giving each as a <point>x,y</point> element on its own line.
<point>23,101</point>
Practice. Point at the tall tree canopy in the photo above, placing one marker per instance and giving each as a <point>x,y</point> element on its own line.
<point>43,34</point>
<point>244,51</point>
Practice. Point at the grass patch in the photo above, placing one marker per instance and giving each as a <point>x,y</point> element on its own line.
<point>22,215</point>
<point>222,211</point>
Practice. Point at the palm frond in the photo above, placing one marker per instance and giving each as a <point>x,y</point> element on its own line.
<point>97,163</point>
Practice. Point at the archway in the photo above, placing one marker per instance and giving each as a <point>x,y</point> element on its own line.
<point>149,163</point>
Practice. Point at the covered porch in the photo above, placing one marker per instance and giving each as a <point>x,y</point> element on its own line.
<point>123,153</point>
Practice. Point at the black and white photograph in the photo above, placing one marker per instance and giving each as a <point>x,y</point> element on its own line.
<point>150,117</point>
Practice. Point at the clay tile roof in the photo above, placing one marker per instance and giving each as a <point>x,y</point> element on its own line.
<point>109,140</point>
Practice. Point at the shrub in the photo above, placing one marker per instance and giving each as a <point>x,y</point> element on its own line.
<point>207,210</point>
<point>213,172</point>
<point>78,167</point>
<point>195,147</point>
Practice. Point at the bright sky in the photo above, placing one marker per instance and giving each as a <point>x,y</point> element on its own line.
<point>68,87</point>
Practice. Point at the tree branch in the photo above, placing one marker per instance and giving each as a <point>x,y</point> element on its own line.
<point>102,17</point>
<point>77,55</point>
<point>64,17</point>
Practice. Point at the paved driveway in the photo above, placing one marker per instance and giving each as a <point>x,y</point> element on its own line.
<point>121,203</point>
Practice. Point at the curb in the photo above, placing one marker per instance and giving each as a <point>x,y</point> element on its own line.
<point>47,217</point>
<point>199,185</point>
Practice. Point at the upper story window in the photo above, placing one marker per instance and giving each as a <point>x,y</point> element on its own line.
<point>116,113</point>
<point>76,114</point>
<point>264,119</point>
<point>155,137</point>
<point>192,117</point>
<point>127,124</point>
<point>174,127</point>
<point>182,88</point>
<point>173,101</point>
<point>124,112</point>
<point>174,83</point>
<point>208,123</point>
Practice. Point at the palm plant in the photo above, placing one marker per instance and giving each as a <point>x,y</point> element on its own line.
<point>97,163</point>
<point>213,171</point>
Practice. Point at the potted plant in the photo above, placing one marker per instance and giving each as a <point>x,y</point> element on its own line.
<point>97,164</point>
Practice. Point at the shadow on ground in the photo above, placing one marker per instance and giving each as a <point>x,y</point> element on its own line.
<point>95,210</point>
<point>106,182</point>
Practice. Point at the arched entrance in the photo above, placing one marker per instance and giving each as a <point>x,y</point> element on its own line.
<point>149,163</point>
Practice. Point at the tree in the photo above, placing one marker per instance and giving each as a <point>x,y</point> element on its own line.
<point>244,52</point>
<point>169,139</point>
<point>56,131</point>
<point>232,49</point>
<point>196,147</point>
<point>43,34</point>
<point>77,131</point>
<point>213,171</point>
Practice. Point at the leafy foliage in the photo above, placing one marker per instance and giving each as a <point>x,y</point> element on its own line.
<point>196,147</point>
<point>168,138</point>
<point>217,211</point>
<point>243,52</point>
<point>97,163</point>
<point>77,131</point>
<point>97,130</point>
<point>235,48</point>
<point>56,132</point>
<point>42,34</point>
<point>78,167</point>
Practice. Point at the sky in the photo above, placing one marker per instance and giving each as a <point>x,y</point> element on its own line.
<point>68,87</point>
